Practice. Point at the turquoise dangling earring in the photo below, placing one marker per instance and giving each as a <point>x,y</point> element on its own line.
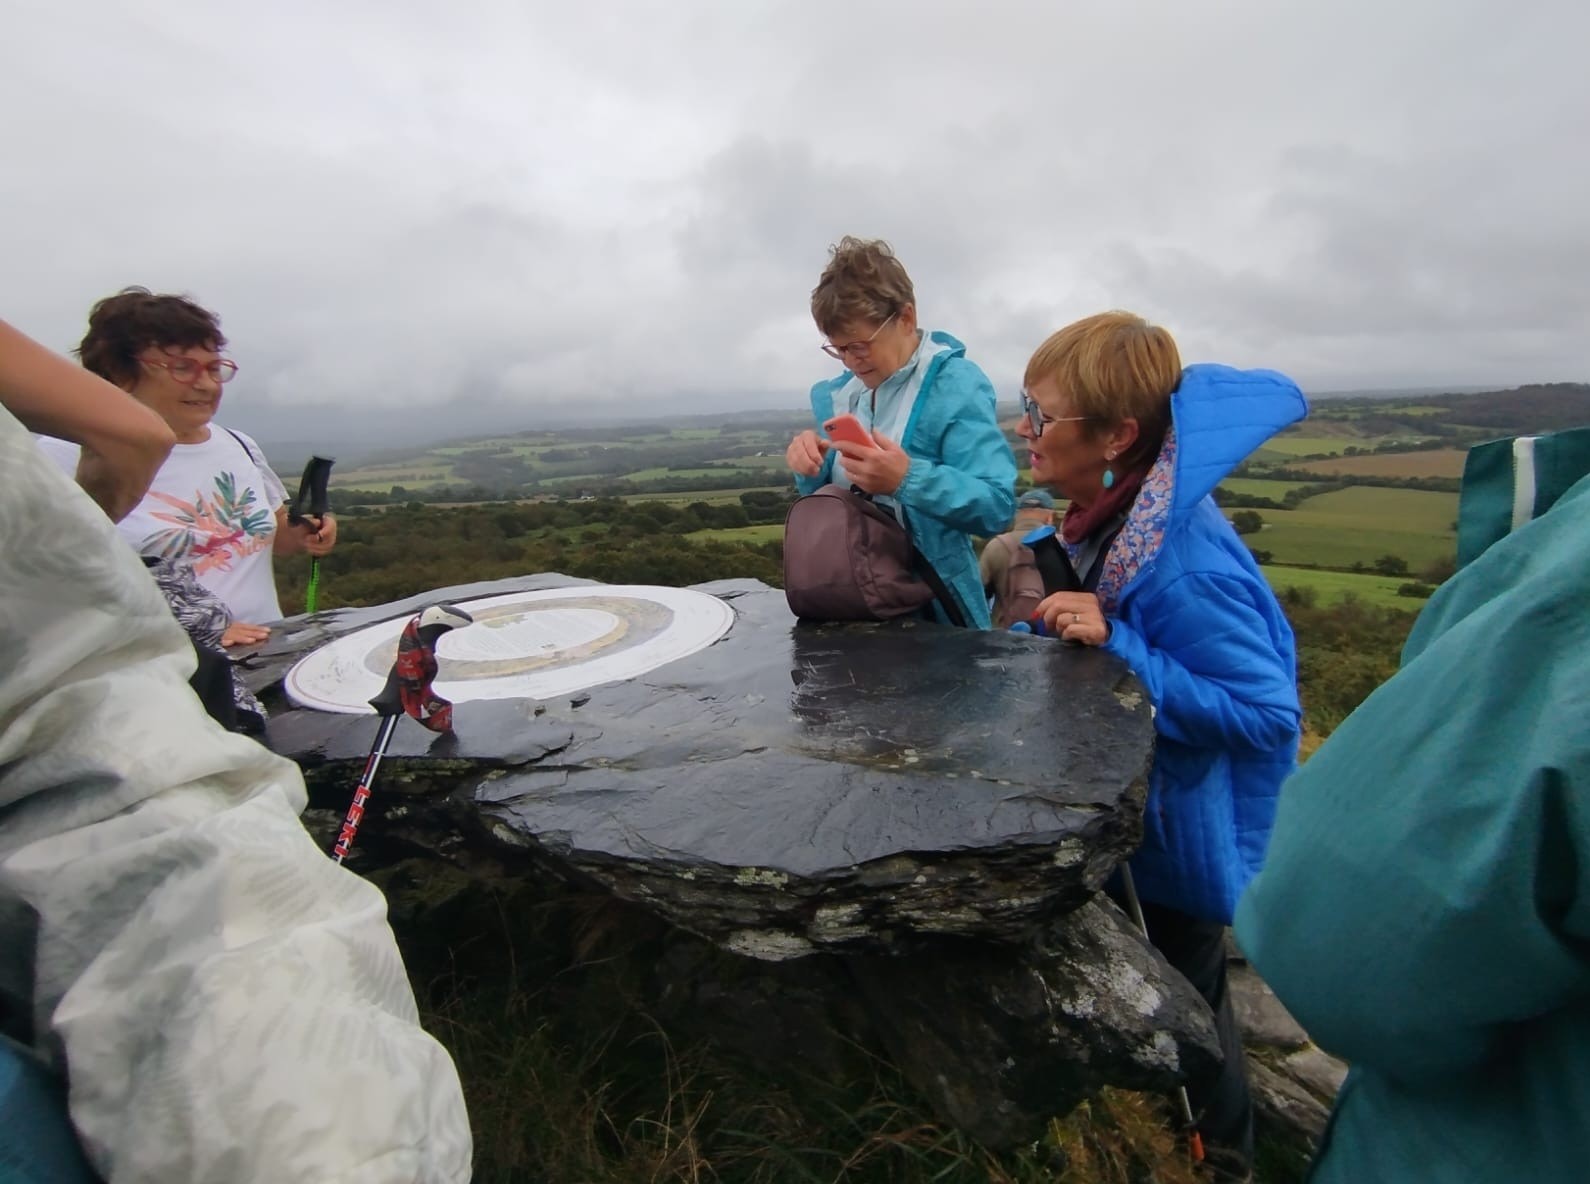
<point>1109,475</point>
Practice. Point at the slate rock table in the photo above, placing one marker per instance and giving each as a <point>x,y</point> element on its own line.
<point>937,807</point>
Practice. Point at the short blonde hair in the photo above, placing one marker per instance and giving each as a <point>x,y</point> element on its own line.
<point>1111,367</point>
<point>862,282</point>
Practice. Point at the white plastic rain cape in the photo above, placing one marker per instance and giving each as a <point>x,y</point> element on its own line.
<point>229,1005</point>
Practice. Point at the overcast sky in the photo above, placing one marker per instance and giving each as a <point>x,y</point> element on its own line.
<point>624,206</point>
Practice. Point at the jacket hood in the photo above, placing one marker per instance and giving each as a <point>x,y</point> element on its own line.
<point>935,346</point>
<point>1508,483</point>
<point>1219,416</point>
<point>1222,416</point>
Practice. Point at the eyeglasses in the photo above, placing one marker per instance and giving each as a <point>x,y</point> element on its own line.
<point>862,349</point>
<point>186,370</point>
<point>1036,419</point>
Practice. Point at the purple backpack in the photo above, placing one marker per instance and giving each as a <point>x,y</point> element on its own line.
<point>847,559</point>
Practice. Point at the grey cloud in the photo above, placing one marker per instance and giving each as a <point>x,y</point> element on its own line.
<point>537,210</point>
<point>1391,268</point>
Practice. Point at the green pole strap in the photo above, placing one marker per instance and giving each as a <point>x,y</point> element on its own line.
<point>312,591</point>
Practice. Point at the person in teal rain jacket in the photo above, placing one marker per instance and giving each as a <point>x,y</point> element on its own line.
<point>942,462</point>
<point>1425,911</point>
<point>1137,443</point>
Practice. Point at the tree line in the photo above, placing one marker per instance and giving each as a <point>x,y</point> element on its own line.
<point>1345,650</point>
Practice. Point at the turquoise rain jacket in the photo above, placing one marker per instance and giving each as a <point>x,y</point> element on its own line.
<point>939,408</point>
<point>1425,911</point>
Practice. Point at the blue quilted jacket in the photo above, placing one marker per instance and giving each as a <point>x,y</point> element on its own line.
<point>1194,618</point>
<point>939,408</point>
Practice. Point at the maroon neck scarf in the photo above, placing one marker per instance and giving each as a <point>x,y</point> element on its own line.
<point>1080,523</point>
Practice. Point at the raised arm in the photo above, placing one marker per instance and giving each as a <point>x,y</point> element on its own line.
<point>124,443</point>
<point>230,1003</point>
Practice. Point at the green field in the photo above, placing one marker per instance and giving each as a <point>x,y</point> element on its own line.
<point>663,474</point>
<point>1330,586</point>
<point>1314,445</point>
<point>1334,586</point>
<point>1443,462</point>
<point>712,497</point>
<point>564,481</point>
<point>415,474</point>
<point>751,535</point>
<point>770,461</point>
<point>712,452</point>
<point>1359,525</point>
<point>1405,509</point>
<point>1260,487</point>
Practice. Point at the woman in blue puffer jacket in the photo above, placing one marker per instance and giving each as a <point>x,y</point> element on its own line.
<point>942,464</point>
<point>1138,444</point>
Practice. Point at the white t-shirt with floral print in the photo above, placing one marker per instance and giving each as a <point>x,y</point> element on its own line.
<point>212,505</point>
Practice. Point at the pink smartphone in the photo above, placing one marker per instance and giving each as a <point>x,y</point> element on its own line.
<point>849,429</point>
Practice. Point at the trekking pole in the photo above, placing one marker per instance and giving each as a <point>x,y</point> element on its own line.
<point>1195,1142</point>
<point>313,501</point>
<point>407,692</point>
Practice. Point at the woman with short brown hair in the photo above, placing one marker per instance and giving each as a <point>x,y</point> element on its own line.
<point>941,464</point>
<point>1138,443</point>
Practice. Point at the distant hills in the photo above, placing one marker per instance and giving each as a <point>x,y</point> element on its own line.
<point>357,438</point>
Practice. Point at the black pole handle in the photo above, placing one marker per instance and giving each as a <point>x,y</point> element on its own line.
<point>390,700</point>
<point>314,494</point>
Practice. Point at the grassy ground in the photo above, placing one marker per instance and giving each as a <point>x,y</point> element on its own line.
<point>570,1079</point>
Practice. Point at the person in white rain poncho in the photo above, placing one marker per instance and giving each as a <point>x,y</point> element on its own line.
<point>226,1003</point>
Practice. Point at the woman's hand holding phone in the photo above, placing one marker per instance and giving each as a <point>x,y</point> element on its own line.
<point>875,464</point>
<point>878,466</point>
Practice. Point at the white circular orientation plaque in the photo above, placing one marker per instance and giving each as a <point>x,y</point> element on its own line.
<point>523,645</point>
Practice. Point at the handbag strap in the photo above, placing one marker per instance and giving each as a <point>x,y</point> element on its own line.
<point>919,561</point>
<point>952,610</point>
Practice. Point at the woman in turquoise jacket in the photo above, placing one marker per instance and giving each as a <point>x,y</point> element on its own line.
<point>1138,444</point>
<point>942,462</point>
<point>1425,911</point>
